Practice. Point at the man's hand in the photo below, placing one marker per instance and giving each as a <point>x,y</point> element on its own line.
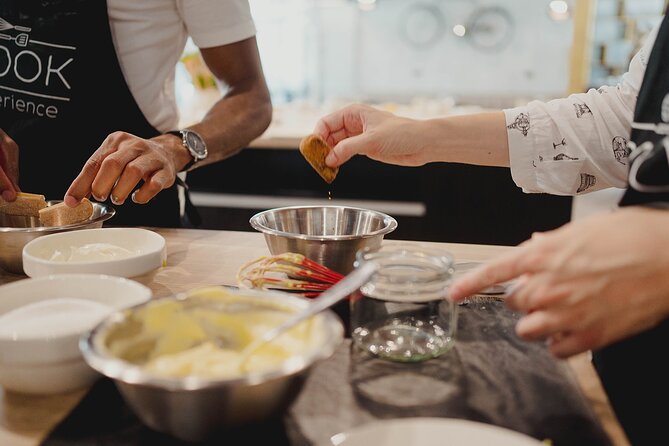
<point>9,167</point>
<point>587,284</point>
<point>122,161</point>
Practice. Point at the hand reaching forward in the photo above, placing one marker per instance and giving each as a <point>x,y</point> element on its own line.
<point>363,130</point>
<point>478,138</point>
<point>122,161</point>
<point>588,284</point>
<point>9,167</point>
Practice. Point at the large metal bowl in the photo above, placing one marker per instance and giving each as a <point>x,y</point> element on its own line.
<point>193,408</point>
<point>329,235</point>
<point>16,231</point>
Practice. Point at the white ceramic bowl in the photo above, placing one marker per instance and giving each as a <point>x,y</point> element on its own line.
<point>431,432</point>
<point>53,363</point>
<point>147,252</point>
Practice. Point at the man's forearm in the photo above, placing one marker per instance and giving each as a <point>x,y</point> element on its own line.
<point>479,139</point>
<point>235,120</point>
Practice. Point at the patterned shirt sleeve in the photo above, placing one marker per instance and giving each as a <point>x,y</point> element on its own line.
<point>576,144</point>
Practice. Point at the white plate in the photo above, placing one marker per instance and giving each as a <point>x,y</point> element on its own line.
<point>431,432</point>
<point>52,363</point>
<point>147,247</point>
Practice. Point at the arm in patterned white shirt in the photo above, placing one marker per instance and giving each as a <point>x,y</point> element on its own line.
<point>577,144</point>
<point>565,147</point>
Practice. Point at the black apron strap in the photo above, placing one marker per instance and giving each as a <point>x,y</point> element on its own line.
<point>191,217</point>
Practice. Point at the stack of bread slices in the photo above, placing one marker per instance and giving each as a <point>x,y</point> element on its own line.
<point>35,205</point>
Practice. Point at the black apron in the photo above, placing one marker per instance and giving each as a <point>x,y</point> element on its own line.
<point>635,371</point>
<point>62,92</point>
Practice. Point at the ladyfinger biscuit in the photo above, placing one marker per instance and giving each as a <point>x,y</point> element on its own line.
<point>61,214</point>
<point>315,149</point>
<point>25,204</point>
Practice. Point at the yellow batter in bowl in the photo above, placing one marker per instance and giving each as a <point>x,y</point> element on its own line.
<point>204,334</point>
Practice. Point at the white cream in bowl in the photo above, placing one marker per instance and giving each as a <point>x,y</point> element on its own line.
<point>92,252</point>
<point>125,252</point>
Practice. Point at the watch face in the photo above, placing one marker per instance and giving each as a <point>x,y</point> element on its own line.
<point>196,144</point>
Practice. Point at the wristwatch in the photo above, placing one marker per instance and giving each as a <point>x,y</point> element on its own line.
<point>194,143</point>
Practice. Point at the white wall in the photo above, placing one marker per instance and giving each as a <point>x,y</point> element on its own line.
<point>328,49</point>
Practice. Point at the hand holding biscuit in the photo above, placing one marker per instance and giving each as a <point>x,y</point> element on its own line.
<point>363,130</point>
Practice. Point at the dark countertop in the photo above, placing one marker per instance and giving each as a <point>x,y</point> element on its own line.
<point>490,376</point>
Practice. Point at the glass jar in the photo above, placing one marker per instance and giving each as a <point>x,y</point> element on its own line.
<point>402,313</point>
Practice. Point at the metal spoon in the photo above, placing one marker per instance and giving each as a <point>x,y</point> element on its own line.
<point>331,296</point>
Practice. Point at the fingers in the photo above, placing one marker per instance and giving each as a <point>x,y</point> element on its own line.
<point>532,256</point>
<point>9,164</point>
<point>542,324</point>
<point>111,171</point>
<point>349,120</point>
<point>340,125</point>
<point>157,182</point>
<point>538,291</point>
<point>81,187</point>
<point>7,187</point>
<point>566,333</point>
<point>569,344</point>
<point>499,270</point>
<point>554,326</point>
<point>136,170</point>
<point>118,166</point>
<point>347,148</point>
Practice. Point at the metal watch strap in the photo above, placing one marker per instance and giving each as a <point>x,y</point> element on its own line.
<point>181,135</point>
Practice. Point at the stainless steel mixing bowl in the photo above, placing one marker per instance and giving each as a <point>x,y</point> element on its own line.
<point>16,231</point>
<point>329,235</point>
<point>193,408</point>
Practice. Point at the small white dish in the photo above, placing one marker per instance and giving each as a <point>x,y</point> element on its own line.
<point>46,359</point>
<point>124,252</point>
<point>431,432</point>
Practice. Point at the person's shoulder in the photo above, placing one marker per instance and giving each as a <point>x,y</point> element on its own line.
<point>214,22</point>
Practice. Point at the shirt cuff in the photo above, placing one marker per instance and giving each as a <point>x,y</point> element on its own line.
<point>521,148</point>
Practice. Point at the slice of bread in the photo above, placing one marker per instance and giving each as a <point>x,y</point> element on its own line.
<point>315,149</point>
<point>25,204</point>
<point>61,214</point>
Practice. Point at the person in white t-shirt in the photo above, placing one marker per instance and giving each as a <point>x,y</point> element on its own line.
<point>600,283</point>
<point>92,84</point>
